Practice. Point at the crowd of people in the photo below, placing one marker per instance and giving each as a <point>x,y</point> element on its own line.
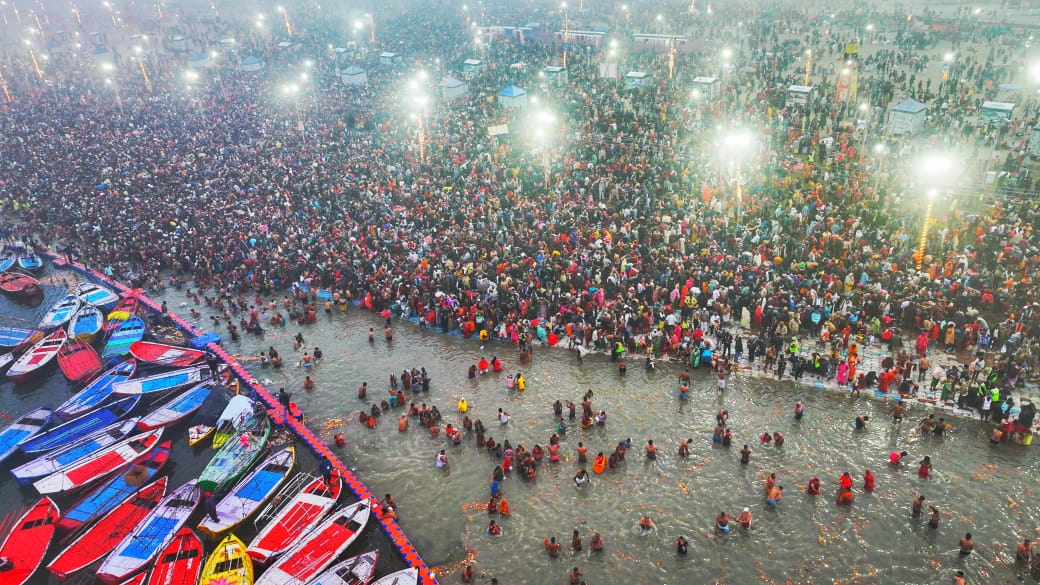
<point>628,227</point>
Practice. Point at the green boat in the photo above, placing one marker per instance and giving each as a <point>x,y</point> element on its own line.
<point>235,457</point>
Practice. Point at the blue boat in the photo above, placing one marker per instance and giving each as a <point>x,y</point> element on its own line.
<point>60,313</point>
<point>7,261</point>
<point>97,295</point>
<point>86,323</point>
<point>76,429</point>
<point>99,502</point>
<point>30,261</point>
<point>12,336</point>
<point>177,408</point>
<point>128,333</point>
<point>164,382</point>
<point>97,391</point>
<point>49,463</point>
<point>23,428</point>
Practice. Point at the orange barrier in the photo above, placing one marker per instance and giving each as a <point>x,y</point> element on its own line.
<point>319,447</point>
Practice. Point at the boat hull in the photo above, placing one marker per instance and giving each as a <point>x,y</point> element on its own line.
<point>26,544</point>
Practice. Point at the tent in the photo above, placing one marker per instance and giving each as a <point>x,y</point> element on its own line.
<point>199,61</point>
<point>513,97</point>
<point>636,79</point>
<point>389,58</point>
<point>555,75</point>
<point>250,63</point>
<point>907,117</point>
<point>103,57</point>
<point>353,75</point>
<point>996,112</point>
<point>452,88</point>
<point>179,44</point>
<point>707,88</point>
<point>472,68</point>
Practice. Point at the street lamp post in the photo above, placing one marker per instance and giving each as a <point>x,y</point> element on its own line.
<point>935,169</point>
<point>735,147</point>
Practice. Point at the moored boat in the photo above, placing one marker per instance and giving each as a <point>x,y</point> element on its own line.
<point>97,295</point>
<point>75,429</point>
<point>228,564</point>
<point>7,260</point>
<point>143,543</point>
<point>60,313</point>
<point>297,516</point>
<point>110,529</point>
<point>97,391</point>
<point>13,336</point>
<point>24,428</point>
<point>356,570</point>
<point>162,382</point>
<point>409,576</point>
<point>128,480</point>
<point>246,496</point>
<point>78,361</point>
<point>17,284</point>
<point>36,358</point>
<point>124,309</point>
<point>97,465</point>
<point>206,417</point>
<point>180,561</point>
<point>166,355</point>
<point>235,457</point>
<point>63,458</point>
<point>241,411</point>
<point>86,323</point>
<point>177,408</point>
<point>28,541</point>
<point>319,548</point>
<point>120,340</point>
<point>31,261</point>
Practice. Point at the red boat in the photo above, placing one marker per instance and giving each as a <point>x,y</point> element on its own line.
<point>19,285</point>
<point>180,561</point>
<point>79,362</point>
<point>137,579</point>
<point>303,512</point>
<point>26,544</point>
<point>102,537</point>
<point>37,358</point>
<point>165,355</point>
<point>126,308</point>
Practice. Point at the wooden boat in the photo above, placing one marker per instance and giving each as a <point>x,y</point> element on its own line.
<point>228,564</point>
<point>296,517</point>
<point>162,382</point>
<point>168,334</point>
<point>180,561</point>
<point>14,336</point>
<point>409,576</point>
<point>98,465</point>
<point>28,541</point>
<point>206,417</point>
<point>143,543</point>
<point>31,261</point>
<point>7,260</point>
<point>49,463</point>
<point>235,457</point>
<point>166,355</point>
<point>356,570</point>
<point>24,428</point>
<point>86,323</point>
<point>110,530</point>
<point>120,340</point>
<point>61,313</point>
<point>178,408</point>
<point>241,411</point>
<point>319,548</point>
<point>38,357</point>
<point>78,361</point>
<point>72,431</point>
<point>246,496</point>
<point>97,391</point>
<point>137,579</point>
<point>124,309</point>
<point>108,495</point>
<point>17,284</point>
<point>96,295</point>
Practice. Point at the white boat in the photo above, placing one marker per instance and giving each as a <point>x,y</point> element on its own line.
<point>319,548</point>
<point>163,382</point>
<point>246,496</point>
<point>97,465</point>
<point>137,550</point>
<point>353,571</point>
<point>60,314</point>
<point>96,295</point>
<point>63,458</point>
<point>409,576</point>
<point>177,408</point>
<point>24,428</point>
<point>237,414</point>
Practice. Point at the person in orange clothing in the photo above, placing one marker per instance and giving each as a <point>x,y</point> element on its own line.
<point>503,506</point>
<point>483,366</point>
<point>845,497</point>
<point>868,481</point>
<point>813,489</point>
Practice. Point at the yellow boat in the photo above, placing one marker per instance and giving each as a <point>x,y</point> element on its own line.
<point>228,564</point>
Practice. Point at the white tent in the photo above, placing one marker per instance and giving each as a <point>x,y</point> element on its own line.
<point>513,97</point>
<point>472,68</point>
<point>250,63</point>
<point>452,88</point>
<point>353,75</point>
<point>636,79</point>
<point>199,61</point>
<point>907,117</point>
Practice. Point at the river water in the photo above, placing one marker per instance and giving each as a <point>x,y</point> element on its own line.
<point>981,489</point>
<point>985,490</point>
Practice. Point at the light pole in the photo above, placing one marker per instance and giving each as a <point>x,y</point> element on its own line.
<point>119,96</point>
<point>563,8</point>
<point>138,52</point>
<point>735,148</point>
<point>544,121</point>
<point>288,26</point>
<point>420,101</point>
<point>3,86</point>
<point>880,150</point>
<point>935,169</point>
